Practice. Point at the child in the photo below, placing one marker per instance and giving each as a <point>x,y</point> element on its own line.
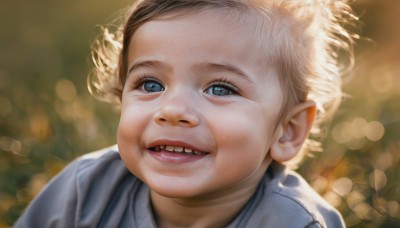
<point>216,95</point>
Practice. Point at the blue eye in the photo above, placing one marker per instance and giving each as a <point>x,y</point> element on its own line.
<point>219,90</point>
<point>152,87</point>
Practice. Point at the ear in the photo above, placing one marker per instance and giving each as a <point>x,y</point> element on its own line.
<point>292,132</point>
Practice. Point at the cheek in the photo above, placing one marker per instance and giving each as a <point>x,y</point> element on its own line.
<point>135,116</point>
<point>247,132</point>
<point>133,122</point>
<point>127,127</point>
<point>243,141</point>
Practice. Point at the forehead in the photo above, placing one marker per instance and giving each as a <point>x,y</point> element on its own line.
<point>210,33</point>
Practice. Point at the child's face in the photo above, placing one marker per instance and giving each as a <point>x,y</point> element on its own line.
<point>200,82</point>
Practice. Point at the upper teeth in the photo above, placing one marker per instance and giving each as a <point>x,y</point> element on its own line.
<point>178,149</point>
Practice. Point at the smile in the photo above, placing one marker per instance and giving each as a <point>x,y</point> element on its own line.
<point>177,149</point>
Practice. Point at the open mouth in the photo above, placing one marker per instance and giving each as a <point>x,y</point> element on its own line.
<point>176,149</point>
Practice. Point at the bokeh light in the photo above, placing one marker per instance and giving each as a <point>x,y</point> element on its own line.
<point>65,90</point>
<point>374,130</point>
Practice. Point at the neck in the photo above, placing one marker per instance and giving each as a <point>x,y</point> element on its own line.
<point>212,210</point>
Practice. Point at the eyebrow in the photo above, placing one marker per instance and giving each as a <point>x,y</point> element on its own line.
<point>149,64</point>
<point>225,68</point>
<point>202,66</point>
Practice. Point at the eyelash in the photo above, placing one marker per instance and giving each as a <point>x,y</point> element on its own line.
<point>223,82</point>
<point>226,83</point>
<point>140,80</point>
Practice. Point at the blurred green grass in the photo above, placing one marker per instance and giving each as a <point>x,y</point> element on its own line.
<point>47,117</point>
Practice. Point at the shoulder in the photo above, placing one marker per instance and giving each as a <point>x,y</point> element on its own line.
<point>92,169</point>
<point>81,192</point>
<point>103,162</point>
<point>288,198</point>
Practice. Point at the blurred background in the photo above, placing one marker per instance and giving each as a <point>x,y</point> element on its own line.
<point>47,117</point>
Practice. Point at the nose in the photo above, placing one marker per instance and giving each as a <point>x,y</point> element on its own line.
<point>177,112</point>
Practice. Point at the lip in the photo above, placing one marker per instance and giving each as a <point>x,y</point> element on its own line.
<point>174,157</point>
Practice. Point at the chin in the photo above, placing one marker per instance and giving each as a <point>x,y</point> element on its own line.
<point>173,193</point>
<point>173,190</point>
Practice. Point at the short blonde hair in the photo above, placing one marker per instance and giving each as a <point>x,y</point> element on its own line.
<point>304,39</point>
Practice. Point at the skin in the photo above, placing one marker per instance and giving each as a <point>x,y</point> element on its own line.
<point>199,81</point>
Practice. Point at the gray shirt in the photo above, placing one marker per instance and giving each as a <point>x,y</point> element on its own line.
<point>96,190</point>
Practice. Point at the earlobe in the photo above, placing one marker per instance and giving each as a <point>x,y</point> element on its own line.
<point>292,132</point>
